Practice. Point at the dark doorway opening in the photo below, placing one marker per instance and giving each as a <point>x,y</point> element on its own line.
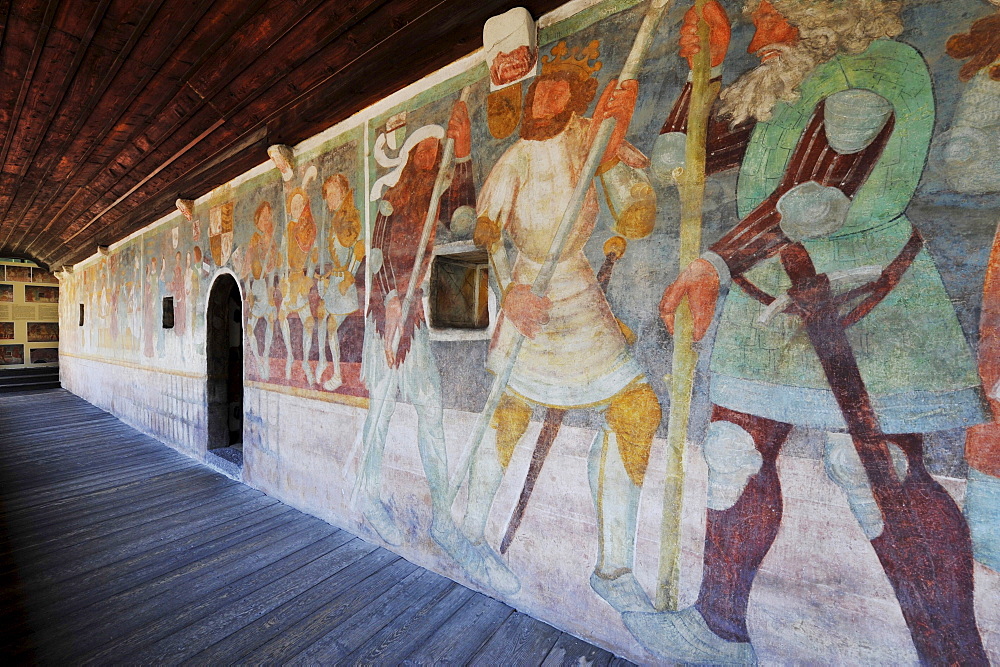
<point>224,349</point>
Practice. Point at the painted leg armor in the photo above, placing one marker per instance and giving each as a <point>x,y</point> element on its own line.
<point>616,467</point>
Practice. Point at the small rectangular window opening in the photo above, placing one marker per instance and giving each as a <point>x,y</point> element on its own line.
<point>460,291</point>
<point>168,312</point>
<point>81,314</point>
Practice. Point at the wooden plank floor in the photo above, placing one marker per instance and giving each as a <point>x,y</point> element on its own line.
<point>115,548</point>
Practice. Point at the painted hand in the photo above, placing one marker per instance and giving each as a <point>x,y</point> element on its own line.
<point>618,102</point>
<point>345,283</point>
<point>699,282</point>
<point>460,129</point>
<point>393,317</point>
<point>527,312</point>
<point>720,32</point>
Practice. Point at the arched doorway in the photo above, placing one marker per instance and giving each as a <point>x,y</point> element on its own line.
<point>224,350</point>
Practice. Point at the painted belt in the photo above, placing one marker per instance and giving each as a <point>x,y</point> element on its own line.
<point>871,293</point>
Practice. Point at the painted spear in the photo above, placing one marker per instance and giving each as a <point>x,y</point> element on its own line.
<point>637,55</point>
<point>441,183</point>
<point>691,188</point>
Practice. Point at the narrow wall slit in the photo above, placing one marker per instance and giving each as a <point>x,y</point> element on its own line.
<point>224,350</point>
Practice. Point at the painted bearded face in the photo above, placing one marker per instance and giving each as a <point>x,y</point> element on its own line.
<point>772,29</point>
<point>794,37</point>
<point>548,108</point>
<point>785,63</point>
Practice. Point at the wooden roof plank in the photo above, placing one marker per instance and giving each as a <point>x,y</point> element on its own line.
<point>138,21</point>
<point>165,132</point>
<point>67,32</point>
<point>376,27</point>
<point>336,18</point>
<point>297,68</point>
<point>110,109</point>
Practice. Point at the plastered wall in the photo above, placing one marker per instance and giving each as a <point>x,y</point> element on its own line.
<point>318,240</point>
<point>29,316</point>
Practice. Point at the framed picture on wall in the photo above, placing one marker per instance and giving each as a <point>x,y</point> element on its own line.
<point>11,355</point>
<point>19,274</point>
<point>6,294</point>
<point>44,355</point>
<point>6,331</point>
<point>43,276</point>
<point>40,294</point>
<point>43,332</point>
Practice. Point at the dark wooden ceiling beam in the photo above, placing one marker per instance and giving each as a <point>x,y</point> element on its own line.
<point>106,110</point>
<point>145,101</point>
<point>295,47</point>
<point>111,50</point>
<point>407,44</point>
<point>250,96</point>
<point>160,141</point>
<point>57,112</point>
<point>38,37</point>
<point>9,72</point>
<point>120,121</point>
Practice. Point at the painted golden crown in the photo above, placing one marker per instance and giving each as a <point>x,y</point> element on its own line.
<point>579,61</point>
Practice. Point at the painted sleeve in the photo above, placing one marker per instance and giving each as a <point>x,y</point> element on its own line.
<point>726,145</point>
<point>461,194</point>
<point>497,196</point>
<point>494,211</point>
<point>759,235</point>
<point>381,285</point>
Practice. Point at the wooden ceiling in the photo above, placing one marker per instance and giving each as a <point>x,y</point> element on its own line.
<point>112,109</point>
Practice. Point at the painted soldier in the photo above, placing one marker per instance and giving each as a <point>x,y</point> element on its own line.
<point>345,249</point>
<point>410,369</point>
<point>262,265</point>
<point>524,198</point>
<point>831,132</point>
<point>970,161</point>
<point>301,255</point>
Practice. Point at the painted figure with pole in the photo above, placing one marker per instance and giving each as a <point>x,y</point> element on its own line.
<point>262,265</point>
<point>397,356</point>
<point>541,196</point>
<point>703,52</point>
<point>299,255</point>
<point>969,159</point>
<point>345,250</point>
<point>836,319</point>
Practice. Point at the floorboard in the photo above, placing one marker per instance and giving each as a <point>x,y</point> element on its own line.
<point>115,548</point>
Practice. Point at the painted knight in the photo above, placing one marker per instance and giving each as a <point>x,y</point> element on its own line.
<point>830,133</point>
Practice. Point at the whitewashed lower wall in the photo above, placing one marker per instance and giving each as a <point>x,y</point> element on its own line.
<point>820,590</point>
<point>167,406</point>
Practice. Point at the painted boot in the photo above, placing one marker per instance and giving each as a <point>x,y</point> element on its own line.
<point>616,499</point>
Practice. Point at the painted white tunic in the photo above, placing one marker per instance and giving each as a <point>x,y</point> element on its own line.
<point>580,357</point>
<point>337,302</point>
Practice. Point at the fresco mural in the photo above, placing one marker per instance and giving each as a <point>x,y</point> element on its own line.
<point>6,331</point>
<point>45,355</point>
<point>719,373</point>
<point>43,332</point>
<point>42,276</point>
<point>11,355</point>
<point>20,274</point>
<point>304,262</point>
<point>6,294</point>
<point>38,294</point>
